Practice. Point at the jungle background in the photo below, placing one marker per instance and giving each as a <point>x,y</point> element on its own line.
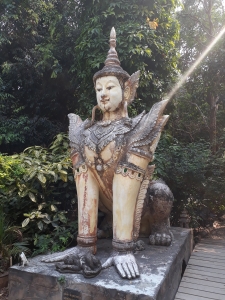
<point>49,51</point>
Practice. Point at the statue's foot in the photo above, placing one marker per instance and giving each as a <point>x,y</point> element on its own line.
<point>91,265</point>
<point>88,265</point>
<point>161,239</point>
<point>61,256</point>
<point>62,268</point>
<point>125,264</point>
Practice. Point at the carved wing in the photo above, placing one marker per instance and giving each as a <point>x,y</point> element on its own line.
<point>75,130</point>
<point>149,128</point>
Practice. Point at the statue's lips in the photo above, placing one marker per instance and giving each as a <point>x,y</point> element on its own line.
<point>104,101</point>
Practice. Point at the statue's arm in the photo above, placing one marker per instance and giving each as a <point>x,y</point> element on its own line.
<point>140,146</point>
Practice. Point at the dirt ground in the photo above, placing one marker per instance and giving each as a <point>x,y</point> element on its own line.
<point>217,231</point>
<point>4,294</point>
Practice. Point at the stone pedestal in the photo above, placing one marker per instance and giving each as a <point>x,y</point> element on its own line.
<point>160,269</point>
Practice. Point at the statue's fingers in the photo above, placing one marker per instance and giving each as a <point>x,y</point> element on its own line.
<point>58,256</point>
<point>131,268</point>
<point>54,259</point>
<point>108,263</point>
<point>135,266</point>
<point>120,270</point>
<point>127,270</point>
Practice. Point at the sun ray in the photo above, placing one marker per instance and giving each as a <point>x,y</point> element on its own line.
<point>183,78</point>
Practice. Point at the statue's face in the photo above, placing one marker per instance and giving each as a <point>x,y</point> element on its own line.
<point>109,93</point>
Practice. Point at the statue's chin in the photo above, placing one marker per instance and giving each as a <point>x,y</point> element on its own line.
<point>106,109</point>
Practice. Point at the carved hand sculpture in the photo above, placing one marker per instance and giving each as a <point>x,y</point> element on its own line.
<point>112,173</point>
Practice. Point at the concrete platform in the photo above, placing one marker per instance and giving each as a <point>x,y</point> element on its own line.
<point>160,269</point>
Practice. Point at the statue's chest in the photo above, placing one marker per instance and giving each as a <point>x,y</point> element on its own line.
<point>98,136</point>
<point>102,147</point>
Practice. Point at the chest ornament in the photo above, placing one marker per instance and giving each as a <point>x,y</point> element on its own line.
<point>99,136</point>
<point>99,164</point>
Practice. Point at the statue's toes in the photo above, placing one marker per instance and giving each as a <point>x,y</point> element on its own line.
<point>160,239</point>
<point>166,239</point>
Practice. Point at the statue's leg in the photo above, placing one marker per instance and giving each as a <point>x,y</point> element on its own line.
<point>125,192</point>
<point>88,198</point>
<point>156,213</point>
<point>126,186</point>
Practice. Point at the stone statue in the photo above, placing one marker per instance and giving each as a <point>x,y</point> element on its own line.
<point>24,260</point>
<point>112,173</point>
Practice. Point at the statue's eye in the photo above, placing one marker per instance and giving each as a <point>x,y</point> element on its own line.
<point>109,87</point>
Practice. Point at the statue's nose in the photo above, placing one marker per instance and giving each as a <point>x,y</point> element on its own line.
<point>103,94</point>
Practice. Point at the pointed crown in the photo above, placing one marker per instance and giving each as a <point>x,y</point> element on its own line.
<point>112,64</point>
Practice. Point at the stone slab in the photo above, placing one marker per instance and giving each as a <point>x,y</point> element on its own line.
<point>160,269</point>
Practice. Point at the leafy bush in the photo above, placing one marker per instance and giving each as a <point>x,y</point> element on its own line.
<point>195,176</point>
<point>38,184</point>
<point>11,242</point>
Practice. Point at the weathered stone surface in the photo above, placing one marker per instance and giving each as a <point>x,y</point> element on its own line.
<point>160,269</point>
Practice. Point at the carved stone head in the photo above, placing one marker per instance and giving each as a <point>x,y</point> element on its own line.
<point>114,86</point>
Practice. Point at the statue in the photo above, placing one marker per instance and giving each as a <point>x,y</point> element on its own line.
<point>112,173</point>
<point>24,260</point>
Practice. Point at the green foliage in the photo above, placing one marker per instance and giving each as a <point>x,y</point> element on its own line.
<point>140,46</point>
<point>11,242</point>
<point>51,49</point>
<point>199,107</point>
<point>58,240</point>
<point>36,42</point>
<point>61,279</point>
<point>38,183</point>
<point>195,176</point>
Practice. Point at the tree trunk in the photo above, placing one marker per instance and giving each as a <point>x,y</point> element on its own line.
<point>212,121</point>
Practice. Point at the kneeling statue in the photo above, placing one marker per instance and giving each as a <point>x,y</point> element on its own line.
<point>112,173</point>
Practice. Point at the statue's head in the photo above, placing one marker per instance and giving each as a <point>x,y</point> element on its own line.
<point>114,87</point>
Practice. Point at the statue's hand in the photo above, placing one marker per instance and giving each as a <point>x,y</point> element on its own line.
<point>61,256</point>
<point>125,264</point>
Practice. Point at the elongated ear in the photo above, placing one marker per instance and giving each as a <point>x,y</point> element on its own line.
<point>131,86</point>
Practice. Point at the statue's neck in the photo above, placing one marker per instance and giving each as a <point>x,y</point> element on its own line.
<point>117,114</point>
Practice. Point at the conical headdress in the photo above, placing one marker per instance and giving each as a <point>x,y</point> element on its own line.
<point>112,64</point>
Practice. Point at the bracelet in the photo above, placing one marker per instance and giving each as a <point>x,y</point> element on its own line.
<point>86,241</point>
<point>121,246</point>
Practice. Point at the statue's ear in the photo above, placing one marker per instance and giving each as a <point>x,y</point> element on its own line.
<point>131,86</point>
<point>127,91</point>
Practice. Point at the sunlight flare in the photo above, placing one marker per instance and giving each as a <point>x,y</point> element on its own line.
<point>196,63</point>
